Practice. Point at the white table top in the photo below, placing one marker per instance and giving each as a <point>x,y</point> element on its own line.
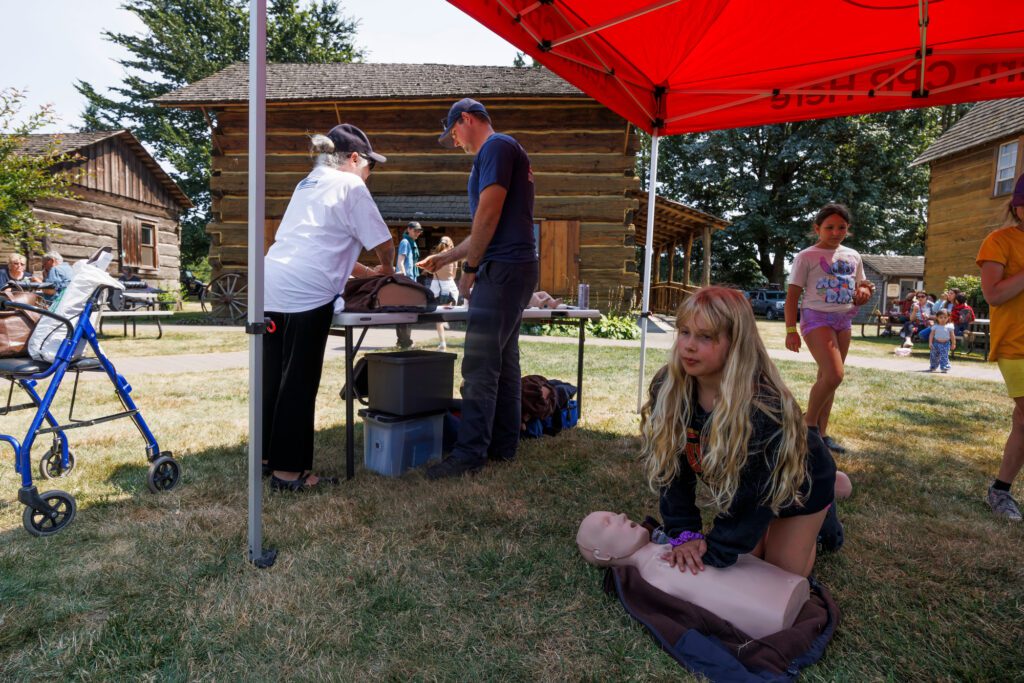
<point>454,313</point>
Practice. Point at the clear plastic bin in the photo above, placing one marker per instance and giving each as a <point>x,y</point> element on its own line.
<point>392,445</point>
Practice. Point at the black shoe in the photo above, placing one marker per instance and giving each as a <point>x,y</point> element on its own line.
<point>501,458</point>
<point>267,470</point>
<point>301,484</point>
<point>832,445</point>
<point>831,535</point>
<point>454,467</point>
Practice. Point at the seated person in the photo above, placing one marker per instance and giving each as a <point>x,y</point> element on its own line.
<point>758,598</point>
<point>963,314</point>
<point>15,273</point>
<point>127,274</point>
<point>55,271</point>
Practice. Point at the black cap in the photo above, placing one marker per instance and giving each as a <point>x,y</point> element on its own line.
<point>414,225</point>
<point>467,104</point>
<point>348,138</point>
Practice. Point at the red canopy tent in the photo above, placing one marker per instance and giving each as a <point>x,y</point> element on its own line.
<point>682,66</point>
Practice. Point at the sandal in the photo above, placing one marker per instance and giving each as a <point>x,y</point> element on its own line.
<point>301,484</point>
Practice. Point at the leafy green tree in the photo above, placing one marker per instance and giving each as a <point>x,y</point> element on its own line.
<point>188,40</point>
<point>27,178</point>
<point>770,180</point>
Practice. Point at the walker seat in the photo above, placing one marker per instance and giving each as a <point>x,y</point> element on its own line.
<point>50,512</point>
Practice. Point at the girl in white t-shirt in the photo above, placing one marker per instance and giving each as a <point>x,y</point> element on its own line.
<point>443,286</point>
<point>830,277</point>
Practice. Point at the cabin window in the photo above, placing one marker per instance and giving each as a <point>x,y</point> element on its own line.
<point>139,238</point>
<point>1006,168</point>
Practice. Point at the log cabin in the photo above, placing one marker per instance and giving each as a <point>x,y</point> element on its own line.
<point>973,166</point>
<point>122,199</point>
<point>583,158</point>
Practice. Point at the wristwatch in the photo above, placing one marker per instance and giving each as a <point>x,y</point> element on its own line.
<point>791,329</point>
<point>466,268</point>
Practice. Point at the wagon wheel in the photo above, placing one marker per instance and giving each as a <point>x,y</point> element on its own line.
<point>227,296</point>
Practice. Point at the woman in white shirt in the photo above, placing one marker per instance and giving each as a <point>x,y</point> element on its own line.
<point>330,219</point>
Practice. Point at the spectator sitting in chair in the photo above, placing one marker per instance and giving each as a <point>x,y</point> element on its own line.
<point>55,271</point>
<point>14,273</point>
<point>128,275</point>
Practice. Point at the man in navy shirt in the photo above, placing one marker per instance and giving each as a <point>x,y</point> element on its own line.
<point>499,276</point>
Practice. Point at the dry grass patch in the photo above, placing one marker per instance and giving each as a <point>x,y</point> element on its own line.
<point>479,579</point>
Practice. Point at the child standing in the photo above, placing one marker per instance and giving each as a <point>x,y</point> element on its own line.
<point>443,286</point>
<point>720,412</point>
<point>830,277</point>
<point>963,314</point>
<point>1001,259</point>
<point>941,341</point>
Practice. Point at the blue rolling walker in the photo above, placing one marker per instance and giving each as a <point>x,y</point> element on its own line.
<point>50,512</point>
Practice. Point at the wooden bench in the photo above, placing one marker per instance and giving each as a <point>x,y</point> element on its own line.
<point>880,322</point>
<point>133,316</point>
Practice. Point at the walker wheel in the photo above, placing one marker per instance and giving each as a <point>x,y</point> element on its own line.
<point>49,464</point>
<point>163,474</point>
<point>60,512</point>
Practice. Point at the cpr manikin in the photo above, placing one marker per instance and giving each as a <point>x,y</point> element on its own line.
<point>756,597</point>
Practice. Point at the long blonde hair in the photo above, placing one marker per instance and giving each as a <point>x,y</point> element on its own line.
<point>750,382</point>
<point>444,245</point>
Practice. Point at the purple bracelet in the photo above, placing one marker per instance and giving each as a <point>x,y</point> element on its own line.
<point>685,537</point>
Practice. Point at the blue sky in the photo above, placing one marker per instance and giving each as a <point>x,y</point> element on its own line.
<point>46,45</point>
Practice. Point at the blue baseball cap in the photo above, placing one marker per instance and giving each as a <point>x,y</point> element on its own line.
<point>467,104</point>
<point>348,138</point>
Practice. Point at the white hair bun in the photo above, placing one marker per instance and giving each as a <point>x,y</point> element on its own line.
<point>321,144</point>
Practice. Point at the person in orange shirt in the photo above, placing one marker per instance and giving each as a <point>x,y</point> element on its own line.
<point>1001,259</point>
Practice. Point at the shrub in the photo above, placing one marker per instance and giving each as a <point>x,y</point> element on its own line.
<point>610,326</point>
<point>971,286</point>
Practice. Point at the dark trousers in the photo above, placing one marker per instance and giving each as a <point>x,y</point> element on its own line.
<point>404,333</point>
<point>293,358</point>
<point>491,406</point>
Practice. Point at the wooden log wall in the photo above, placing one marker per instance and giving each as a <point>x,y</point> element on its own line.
<point>93,221</point>
<point>582,157</point>
<point>111,167</point>
<point>961,212</point>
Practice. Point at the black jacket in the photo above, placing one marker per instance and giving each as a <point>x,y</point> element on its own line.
<point>738,530</point>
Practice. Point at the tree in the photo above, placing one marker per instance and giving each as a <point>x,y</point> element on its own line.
<point>770,180</point>
<point>27,178</point>
<point>188,40</point>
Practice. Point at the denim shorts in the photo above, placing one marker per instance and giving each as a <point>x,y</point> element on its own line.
<point>840,321</point>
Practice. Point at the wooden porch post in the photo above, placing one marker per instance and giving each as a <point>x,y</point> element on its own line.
<point>707,256</point>
<point>671,261</point>
<point>686,260</point>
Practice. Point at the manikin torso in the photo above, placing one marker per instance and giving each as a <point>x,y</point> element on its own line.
<point>758,598</point>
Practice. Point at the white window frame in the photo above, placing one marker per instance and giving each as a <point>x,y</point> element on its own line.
<point>1006,168</point>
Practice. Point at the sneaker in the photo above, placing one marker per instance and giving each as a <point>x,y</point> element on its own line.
<point>908,343</point>
<point>831,535</point>
<point>455,467</point>
<point>932,369</point>
<point>442,346</point>
<point>832,445</point>
<point>1003,504</point>
<point>945,369</point>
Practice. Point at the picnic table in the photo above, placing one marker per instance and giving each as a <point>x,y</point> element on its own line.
<point>344,325</point>
<point>976,336</point>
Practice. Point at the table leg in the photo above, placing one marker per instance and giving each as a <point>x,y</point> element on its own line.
<point>159,329</point>
<point>579,366</point>
<point>350,435</point>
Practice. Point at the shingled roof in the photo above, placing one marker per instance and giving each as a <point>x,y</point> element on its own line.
<point>985,122</point>
<point>336,81</point>
<point>895,265</point>
<point>39,143</point>
<point>427,209</point>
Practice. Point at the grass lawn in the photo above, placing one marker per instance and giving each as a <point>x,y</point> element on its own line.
<point>479,579</point>
<point>176,341</point>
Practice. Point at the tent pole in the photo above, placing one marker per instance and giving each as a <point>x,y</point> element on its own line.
<point>645,310</point>
<point>258,555</point>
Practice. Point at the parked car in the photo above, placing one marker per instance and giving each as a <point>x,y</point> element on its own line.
<point>768,302</point>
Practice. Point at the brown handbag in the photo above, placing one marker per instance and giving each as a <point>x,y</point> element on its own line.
<point>16,324</point>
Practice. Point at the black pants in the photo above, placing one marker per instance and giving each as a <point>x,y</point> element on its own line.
<point>293,359</point>
<point>491,406</point>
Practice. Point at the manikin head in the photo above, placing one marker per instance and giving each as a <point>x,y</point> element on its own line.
<point>607,538</point>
